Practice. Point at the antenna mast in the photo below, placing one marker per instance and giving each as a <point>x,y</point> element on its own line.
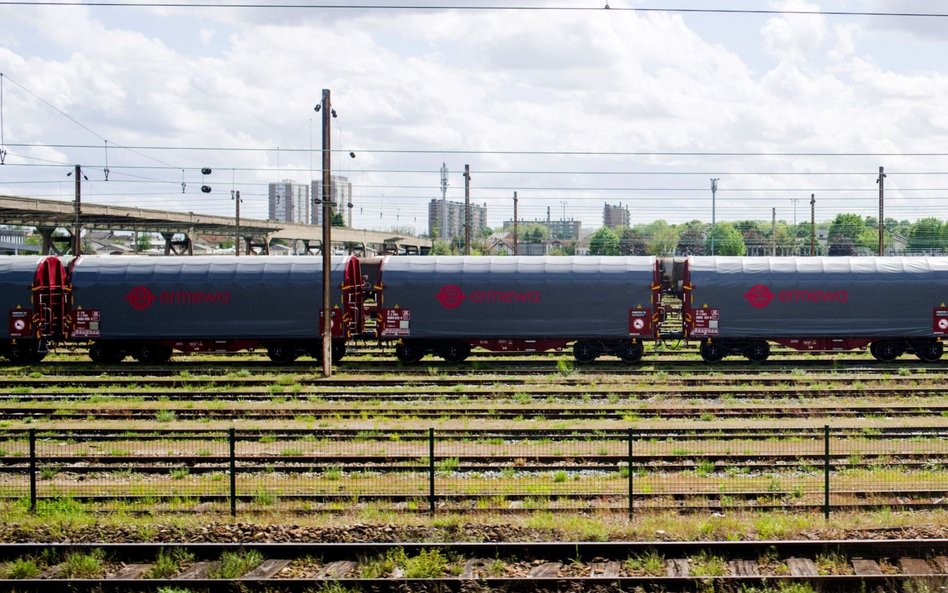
<point>444,201</point>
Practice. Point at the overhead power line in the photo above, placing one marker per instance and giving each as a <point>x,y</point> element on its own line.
<point>511,152</point>
<point>477,8</point>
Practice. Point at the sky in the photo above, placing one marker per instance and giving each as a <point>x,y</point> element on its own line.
<point>568,103</point>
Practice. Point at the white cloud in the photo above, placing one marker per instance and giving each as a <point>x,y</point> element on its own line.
<point>610,81</point>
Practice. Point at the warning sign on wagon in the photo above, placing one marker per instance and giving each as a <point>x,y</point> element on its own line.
<point>19,323</point>
<point>940,321</point>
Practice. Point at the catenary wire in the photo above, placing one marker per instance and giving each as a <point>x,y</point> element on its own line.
<point>480,8</point>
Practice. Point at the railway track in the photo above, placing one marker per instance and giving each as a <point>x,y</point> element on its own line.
<point>373,363</point>
<point>828,566</point>
<point>158,381</point>
<point>309,413</point>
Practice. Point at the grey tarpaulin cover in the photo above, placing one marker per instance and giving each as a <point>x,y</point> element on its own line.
<point>821,296</point>
<point>517,297</point>
<point>205,296</point>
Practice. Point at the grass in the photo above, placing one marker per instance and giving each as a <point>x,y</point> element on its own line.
<point>707,565</point>
<point>84,565</point>
<point>169,563</point>
<point>21,568</point>
<point>650,564</point>
<point>428,564</point>
<point>236,564</point>
<point>832,563</point>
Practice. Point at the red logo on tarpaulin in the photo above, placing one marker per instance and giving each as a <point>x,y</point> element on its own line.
<point>450,296</point>
<point>140,298</point>
<point>759,296</point>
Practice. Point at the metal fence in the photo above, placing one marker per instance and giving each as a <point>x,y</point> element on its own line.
<point>633,470</point>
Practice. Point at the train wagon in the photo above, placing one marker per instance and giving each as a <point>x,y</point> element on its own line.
<point>33,294</point>
<point>448,305</point>
<point>147,307</point>
<point>893,305</point>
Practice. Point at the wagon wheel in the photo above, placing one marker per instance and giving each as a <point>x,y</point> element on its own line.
<point>25,353</point>
<point>929,351</point>
<point>409,353</point>
<point>712,352</point>
<point>338,350</point>
<point>455,352</point>
<point>631,352</point>
<point>106,353</point>
<point>153,354</point>
<point>281,353</point>
<point>884,351</point>
<point>585,351</point>
<point>757,351</point>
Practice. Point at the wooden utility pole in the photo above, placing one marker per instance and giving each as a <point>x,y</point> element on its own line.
<point>349,203</point>
<point>327,238</point>
<point>467,210</point>
<point>773,232</point>
<point>881,183</point>
<point>515,224</point>
<point>812,225</point>
<point>77,228</point>
<point>237,222</point>
<point>714,193</point>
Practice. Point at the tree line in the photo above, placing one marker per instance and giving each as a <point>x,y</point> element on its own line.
<point>847,234</point>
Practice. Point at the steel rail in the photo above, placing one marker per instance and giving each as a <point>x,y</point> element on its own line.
<point>529,566</point>
<point>521,435</point>
<point>102,413</point>
<point>500,366</point>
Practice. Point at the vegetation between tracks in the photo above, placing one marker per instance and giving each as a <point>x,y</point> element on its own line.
<point>849,392</point>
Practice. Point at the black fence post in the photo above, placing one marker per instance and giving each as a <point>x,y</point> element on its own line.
<point>32,470</point>
<point>826,471</point>
<point>233,471</point>
<point>631,473</point>
<point>431,472</point>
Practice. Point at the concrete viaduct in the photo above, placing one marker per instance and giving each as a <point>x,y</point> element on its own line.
<point>178,228</point>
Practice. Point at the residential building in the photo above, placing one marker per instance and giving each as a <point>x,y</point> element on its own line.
<point>455,216</point>
<point>615,215</point>
<point>561,230</point>
<point>289,202</point>
<point>340,191</point>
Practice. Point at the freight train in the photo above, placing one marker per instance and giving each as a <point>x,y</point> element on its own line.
<point>149,307</point>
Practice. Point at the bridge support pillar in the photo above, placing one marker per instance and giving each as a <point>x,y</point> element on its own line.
<point>254,247</point>
<point>310,247</point>
<point>177,247</point>
<point>54,245</point>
